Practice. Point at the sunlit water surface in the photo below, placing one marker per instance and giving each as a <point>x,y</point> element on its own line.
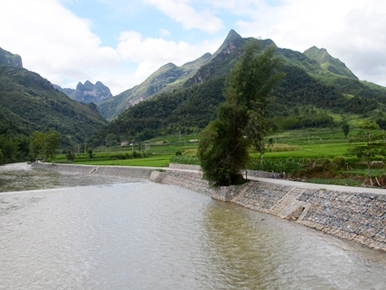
<point>110,233</point>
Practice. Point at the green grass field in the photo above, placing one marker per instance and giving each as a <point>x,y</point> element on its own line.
<point>290,151</point>
<point>152,161</point>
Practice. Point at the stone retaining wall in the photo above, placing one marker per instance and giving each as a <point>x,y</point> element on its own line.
<point>355,216</point>
<point>188,180</point>
<point>360,217</point>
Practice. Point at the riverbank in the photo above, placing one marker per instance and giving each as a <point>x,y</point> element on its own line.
<point>352,213</point>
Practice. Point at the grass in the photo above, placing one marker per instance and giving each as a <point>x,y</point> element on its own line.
<point>297,151</point>
<point>335,181</point>
<point>152,161</point>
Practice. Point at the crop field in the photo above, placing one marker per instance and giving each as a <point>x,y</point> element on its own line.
<point>321,154</point>
<point>150,161</point>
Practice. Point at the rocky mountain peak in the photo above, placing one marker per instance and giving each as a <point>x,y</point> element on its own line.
<point>88,92</point>
<point>10,59</point>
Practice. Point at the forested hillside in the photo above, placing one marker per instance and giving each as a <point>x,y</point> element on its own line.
<point>166,79</point>
<point>317,91</point>
<point>30,103</point>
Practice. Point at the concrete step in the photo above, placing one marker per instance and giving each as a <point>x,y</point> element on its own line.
<point>285,201</point>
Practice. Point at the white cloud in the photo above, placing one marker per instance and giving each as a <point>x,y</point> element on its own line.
<point>61,46</point>
<point>152,53</point>
<point>353,31</point>
<point>52,40</point>
<point>181,12</point>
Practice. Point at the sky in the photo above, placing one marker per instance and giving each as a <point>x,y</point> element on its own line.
<point>122,42</point>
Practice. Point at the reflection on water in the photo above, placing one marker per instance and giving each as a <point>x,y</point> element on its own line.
<point>142,235</point>
<point>21,176</point>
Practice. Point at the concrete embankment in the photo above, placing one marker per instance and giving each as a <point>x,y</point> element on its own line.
<point>357,214</point>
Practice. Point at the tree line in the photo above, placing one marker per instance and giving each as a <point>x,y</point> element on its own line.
<point>18,148</point>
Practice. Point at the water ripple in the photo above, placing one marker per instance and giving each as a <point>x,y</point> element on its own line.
<point>150,236</point>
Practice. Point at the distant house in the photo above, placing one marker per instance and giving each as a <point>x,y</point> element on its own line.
<point>124,143</point>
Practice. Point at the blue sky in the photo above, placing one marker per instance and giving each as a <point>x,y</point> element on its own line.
<point>121,42</point>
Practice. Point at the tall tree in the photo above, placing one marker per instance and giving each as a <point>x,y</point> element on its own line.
<point>45,144</point>
<point>375,147</point>
<point>345,129</point>
<point>240,122</point>
<point>52,143</point>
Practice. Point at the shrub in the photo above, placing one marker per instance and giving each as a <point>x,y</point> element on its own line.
<point>190,153</point>
<point>339,162</point>
<point>281,148</point>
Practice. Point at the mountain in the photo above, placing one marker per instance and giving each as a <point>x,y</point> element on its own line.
<point>7,58</point>
<point>29,102</point>
<point>316,87</point>
<point>329,63</point>
<point>171,77</point>
<point>88,92</point>
<point>166,79</point>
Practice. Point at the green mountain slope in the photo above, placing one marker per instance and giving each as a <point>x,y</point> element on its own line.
<point>168,78</point>
<point>9,59</point>
<point>329,63</point>
<point>307,97</point>
<point>28,103</point>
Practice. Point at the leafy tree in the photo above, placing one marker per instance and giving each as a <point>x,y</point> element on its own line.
<point>70,155</point>
<point>45,144</point>
<point>345,129</point>
<point>52,143</point>
<point>381,123</point>
<point>241,120</point>
<point>9,148</point>
<point>89,152</point>
<point>375,145</point>
<point>365,132</point>
<point>36,144</point>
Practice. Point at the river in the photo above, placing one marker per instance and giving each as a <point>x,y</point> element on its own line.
<point>113,233</point>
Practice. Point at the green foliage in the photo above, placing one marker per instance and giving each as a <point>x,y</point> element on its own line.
<point>185,111</point>
<point>30,103</point>
<point>345,129</point>
<point>223,148</point>
<point>301,121</point>
<point>45,144</point>
<point>315,89</point>
<point>89,152</point>
<point>185,160</point>
<point>70,156</point>
<point>329,63</point>
<point>287,165</point>
<point>9,148</point>
<point>166,79</point>
<point>381,123</point>
<point>375,147</point>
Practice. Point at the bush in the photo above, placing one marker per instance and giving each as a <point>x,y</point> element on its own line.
<point>70,156</point>
<point>185,160</point>
<point>339,162</point>
<point>277,165</point>
<point>190,153</point>
<point>281,148</point>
